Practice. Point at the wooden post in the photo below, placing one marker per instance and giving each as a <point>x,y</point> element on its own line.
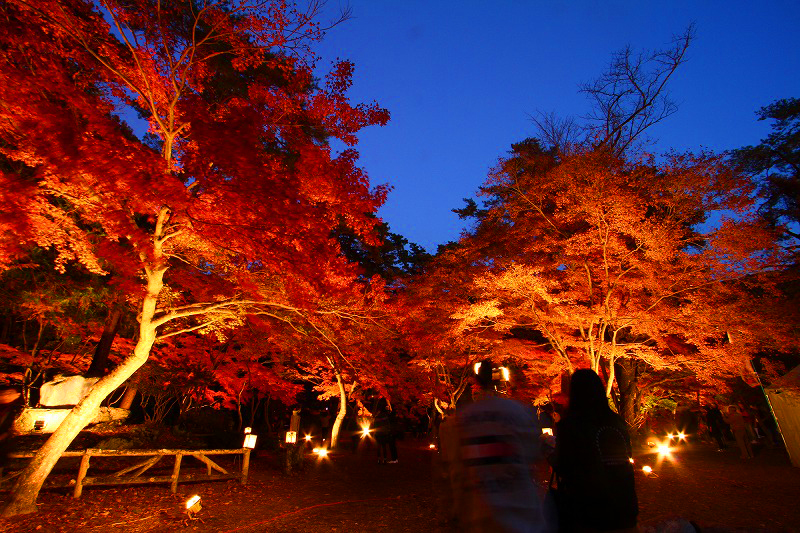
<point>81,474</point>
<point>175,473</point>
<point>245,465</point>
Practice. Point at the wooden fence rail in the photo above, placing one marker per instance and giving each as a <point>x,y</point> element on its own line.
<point>133,474</point>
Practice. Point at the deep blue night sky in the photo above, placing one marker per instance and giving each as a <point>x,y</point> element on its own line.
<point>461,79</point>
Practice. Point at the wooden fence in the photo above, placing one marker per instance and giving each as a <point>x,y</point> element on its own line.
<point>133,474</point>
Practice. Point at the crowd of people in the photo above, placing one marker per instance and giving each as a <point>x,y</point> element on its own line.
<point>489,447</point>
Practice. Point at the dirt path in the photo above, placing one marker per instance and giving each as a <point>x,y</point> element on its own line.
<point>352,493</point>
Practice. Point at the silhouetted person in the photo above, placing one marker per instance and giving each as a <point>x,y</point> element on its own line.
<point>739,428</point>
<point>496,441</point>
<point>715,423</point>
<point>593,452</point>
<point>386,436</point>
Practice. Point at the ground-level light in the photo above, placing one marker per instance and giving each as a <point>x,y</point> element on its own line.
<point>365,431</point>
<point>432,446</point>
<point>547,431</point>
<point>291,437</point>
<point>647,469</point>
<point>193,506</point>
<point>321,452</point>
<point>248,430</point>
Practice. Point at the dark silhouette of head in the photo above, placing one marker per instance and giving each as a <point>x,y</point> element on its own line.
<point>586,391</point>
<point>484,375</point>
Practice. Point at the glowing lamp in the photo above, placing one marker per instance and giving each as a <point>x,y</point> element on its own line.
<point>308,438</point>
<point>682,435</point>
<point>476,367</point>
<point>647,469</point>
<point>248,430</point>
<point>663,449</point>
<point>193,506</point>
<point>504,372</point>
<point>364,431</point>
<point>547,431</point>
<point>630,459</point>
<point>250,441</point>
<point>432,446</point>
<point>291,437</point>
<point>321,452</point>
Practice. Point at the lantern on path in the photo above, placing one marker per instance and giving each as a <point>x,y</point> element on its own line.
<point>193,506</point>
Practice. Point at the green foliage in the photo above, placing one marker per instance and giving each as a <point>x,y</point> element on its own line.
<point>392,258</point>
<point>777,160</point>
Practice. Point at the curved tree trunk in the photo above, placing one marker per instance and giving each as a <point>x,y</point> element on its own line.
<point>26,489</point>
<point>337,424</point>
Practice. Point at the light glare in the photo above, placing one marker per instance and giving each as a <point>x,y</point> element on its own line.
<point>191,501</point>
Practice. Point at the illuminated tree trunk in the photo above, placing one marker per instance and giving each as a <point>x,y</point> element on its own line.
<point>627,383</point>
<point>337,424</point>
<point>26,489</point>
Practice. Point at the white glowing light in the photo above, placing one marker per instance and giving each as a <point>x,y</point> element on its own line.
<point>191,502</point>
<point>322,452</point>
<point>682,435</point>
<point>250,441</point>
<point>547,431</point>
<point>504,371</point>
<point>647,469</point>
<point>670,436</point>
<point>476,367</point>
<point>630,459</point>
<point>247,431</point>
<point>291,437</point>
<point>663,449</point>
<point>308,438</point>
<point>365,431</point>
<point>432,446</point>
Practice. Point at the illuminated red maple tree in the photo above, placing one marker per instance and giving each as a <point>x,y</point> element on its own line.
<point>590,260</point>
<point>228,210</point>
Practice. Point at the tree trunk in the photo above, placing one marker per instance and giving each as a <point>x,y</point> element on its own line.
<point>26,489</point>
<point>627,384</point>
<point>337,424</point>
<point>253,408</point>
<point>266,414</point>
<point>99,363</point>
<point>130,392</point>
